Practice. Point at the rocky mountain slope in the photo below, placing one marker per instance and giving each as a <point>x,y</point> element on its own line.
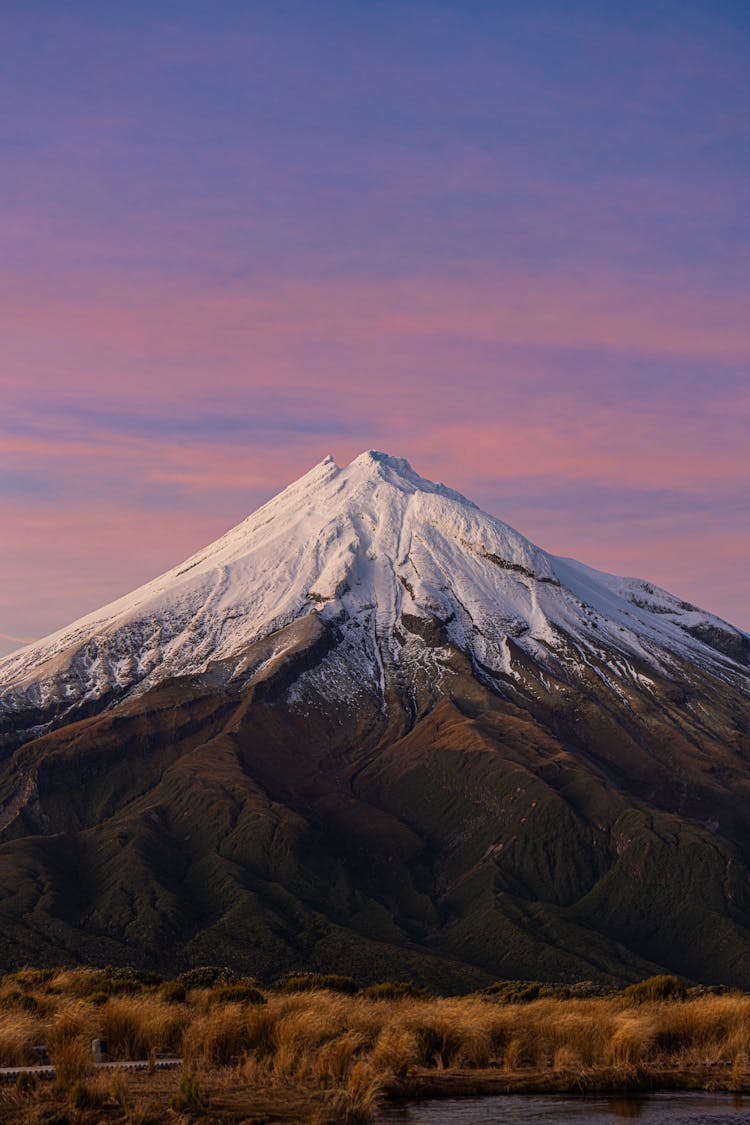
<point>374,728</point>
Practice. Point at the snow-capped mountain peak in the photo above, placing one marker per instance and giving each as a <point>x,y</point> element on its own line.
<point>363,549</point>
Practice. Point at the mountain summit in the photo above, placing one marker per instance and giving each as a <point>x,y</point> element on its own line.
<point>381,553</point>
<point>373,728</point>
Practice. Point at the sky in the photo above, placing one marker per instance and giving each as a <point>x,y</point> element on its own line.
<point>509,241</point>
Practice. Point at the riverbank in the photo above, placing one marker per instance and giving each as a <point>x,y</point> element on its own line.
<point>225,1096</point>
<point>459,1082</point>
<point>318,1050</point>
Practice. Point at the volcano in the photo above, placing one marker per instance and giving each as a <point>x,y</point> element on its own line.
<point>373,729</point>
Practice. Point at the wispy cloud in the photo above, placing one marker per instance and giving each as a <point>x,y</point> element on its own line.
<point>17,640</point>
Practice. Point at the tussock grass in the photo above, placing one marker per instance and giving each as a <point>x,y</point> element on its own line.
<point>173,992</point>
<point>317,982</point>
<point>209,976</point>
<point>310,1032</point>
<point>135,1026</point>
<point>236,994</point>
<point>394,990</point>
<point>654,989</point>
<point>73,1063</point>
<point>219,1036</point>
<point>359,1094</point>
<point>348,1050</point>
<point>19,1032</point>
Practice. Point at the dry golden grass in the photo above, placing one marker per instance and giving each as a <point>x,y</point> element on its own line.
<point>358,1095</point>
<point>394,1052</point>
<point>449,1032</point>
<point>216,1038</point>
<point>19,1032</point>
<point>349,1051</point>
<point>135,1026</point>
<point>73,1062</point>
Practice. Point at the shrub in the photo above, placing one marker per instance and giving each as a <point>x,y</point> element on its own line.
<point>135,976</point>
<point>557,992</point>
<point>313,982</point>
<point>499,988</point>
<point>97,998</point>
<point>698,991</point>
<point>173,992</point>
<point>121,980</point>
<point>516,992</point>
<point>22,1001</point>
<point>524,991</point>
<point>114,981</point>
<point>655,989</point>
<point>84,1096</point>
<point>589,990</point>
<point>30,978</point>
<point>236,994</point>
<point>77,982</point>
<point>208,976</point>
<point>395,990</point>
<point>188,1096</point>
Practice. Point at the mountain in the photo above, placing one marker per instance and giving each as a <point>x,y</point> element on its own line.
<point>376,729</point>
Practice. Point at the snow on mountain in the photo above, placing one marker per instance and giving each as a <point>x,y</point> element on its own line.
<point>368,547</point>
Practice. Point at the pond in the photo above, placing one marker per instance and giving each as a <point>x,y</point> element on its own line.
<point>551,1109</point>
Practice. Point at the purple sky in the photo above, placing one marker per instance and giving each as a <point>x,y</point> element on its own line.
<point>508,241</point>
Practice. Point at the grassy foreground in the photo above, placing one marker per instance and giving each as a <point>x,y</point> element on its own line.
<point>300,1052</point>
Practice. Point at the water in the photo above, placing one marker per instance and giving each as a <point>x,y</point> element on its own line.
<point>558,1109</point>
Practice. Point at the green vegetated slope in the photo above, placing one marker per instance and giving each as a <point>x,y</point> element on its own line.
<point>454,837</point>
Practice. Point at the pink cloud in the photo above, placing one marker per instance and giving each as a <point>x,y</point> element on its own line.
<point>17,640</point>
<point>383,361</point>
<point>60,563</point>
<point>252,337</point>
<point>603,445</point>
